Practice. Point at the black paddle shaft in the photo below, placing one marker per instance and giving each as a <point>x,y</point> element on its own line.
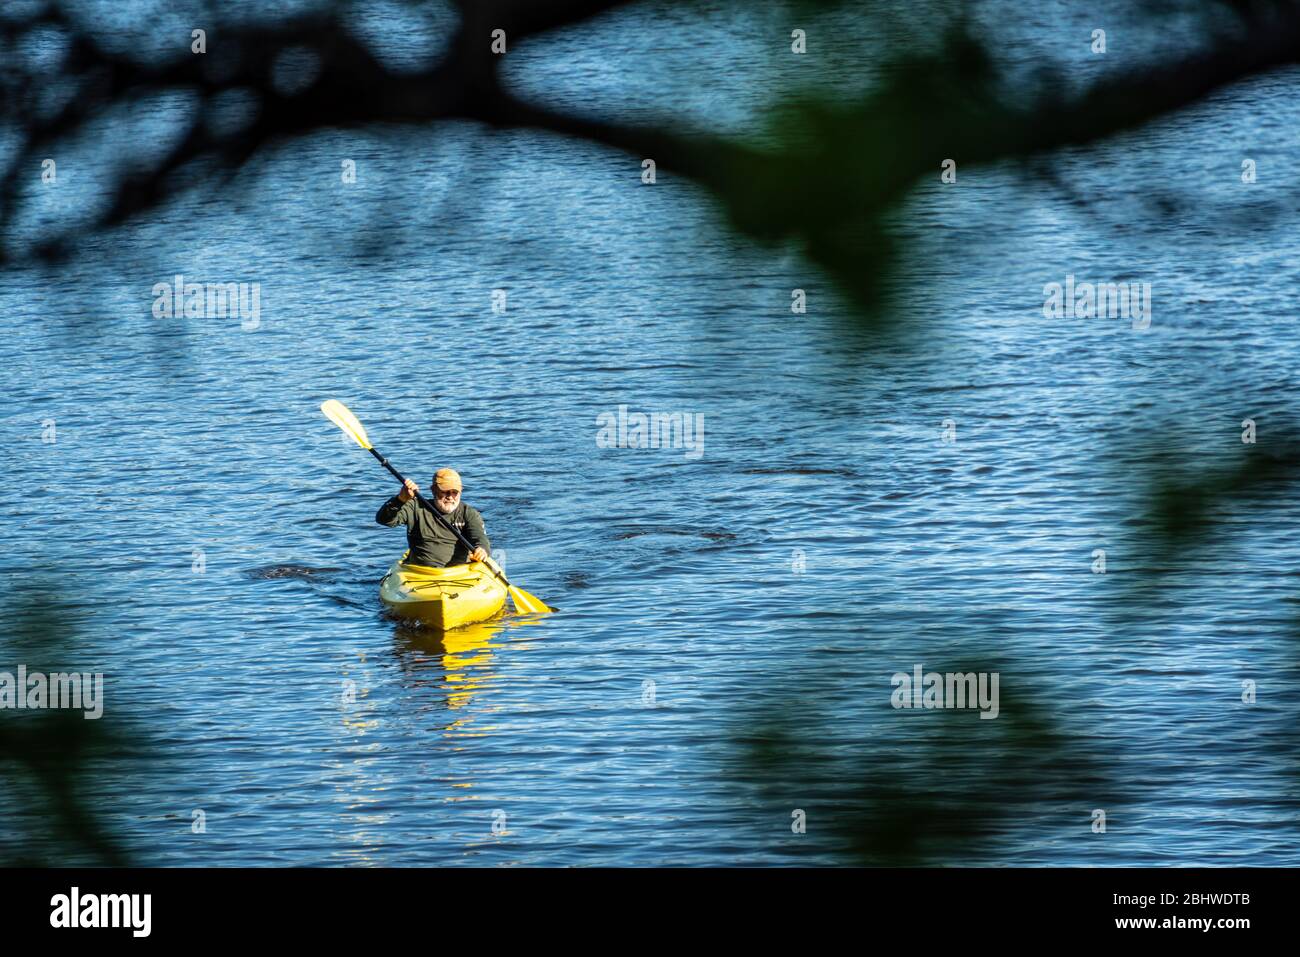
<point>436,514</point>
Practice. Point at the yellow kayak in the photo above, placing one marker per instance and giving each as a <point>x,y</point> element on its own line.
<point>443,597</point>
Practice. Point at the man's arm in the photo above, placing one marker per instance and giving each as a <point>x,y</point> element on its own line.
<point>394,512</point>
<point>475,531</point>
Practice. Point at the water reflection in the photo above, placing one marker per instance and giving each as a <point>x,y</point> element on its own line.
<point>457,665</point>
<point>358,714</point>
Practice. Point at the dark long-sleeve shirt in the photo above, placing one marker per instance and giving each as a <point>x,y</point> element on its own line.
<point>432,545</point>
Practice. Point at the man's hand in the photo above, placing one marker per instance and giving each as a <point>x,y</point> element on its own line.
<point>408,492</point>
<point>478,554</point>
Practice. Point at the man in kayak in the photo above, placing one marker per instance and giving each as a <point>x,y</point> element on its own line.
<point>430,543</point>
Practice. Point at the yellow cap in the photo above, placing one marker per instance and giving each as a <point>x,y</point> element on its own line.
<point>447,479</point>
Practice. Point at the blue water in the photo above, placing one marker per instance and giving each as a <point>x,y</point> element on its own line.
<point>827,537</point>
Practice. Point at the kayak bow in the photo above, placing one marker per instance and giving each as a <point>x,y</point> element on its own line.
<point>443,597</point>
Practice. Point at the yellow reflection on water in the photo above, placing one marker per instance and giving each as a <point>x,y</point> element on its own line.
<point>456,663</point>
<point>454,670</point>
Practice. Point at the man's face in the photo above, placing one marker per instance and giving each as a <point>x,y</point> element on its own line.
<point>446,500</point>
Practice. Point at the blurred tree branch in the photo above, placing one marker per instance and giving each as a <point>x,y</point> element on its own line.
<point>54,763</point>
<point>959,796</point>
<point>834,171</point>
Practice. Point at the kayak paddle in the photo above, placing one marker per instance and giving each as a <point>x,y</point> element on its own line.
<point>342,416</point>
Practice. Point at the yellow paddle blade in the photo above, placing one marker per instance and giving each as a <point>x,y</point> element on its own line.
<point>526,603</point>
<point>342,416</point>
